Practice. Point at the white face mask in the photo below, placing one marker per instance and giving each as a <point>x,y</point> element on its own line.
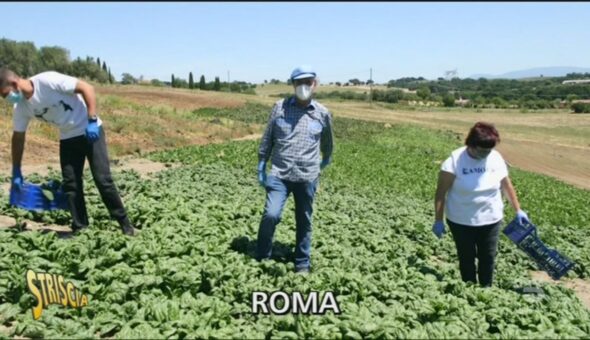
<point>303,92</point>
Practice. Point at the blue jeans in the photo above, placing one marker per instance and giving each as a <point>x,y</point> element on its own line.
<point>277,192</point>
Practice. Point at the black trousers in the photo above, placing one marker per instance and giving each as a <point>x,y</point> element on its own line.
<point>476,242</point>
<point>73,153</point>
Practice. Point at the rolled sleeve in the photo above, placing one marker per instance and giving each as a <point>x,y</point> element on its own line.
<point>266,143</point>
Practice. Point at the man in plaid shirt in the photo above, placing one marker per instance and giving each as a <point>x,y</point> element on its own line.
<point>298,129</point>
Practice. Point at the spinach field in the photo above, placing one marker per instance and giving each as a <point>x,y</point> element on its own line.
<point>190,273</point>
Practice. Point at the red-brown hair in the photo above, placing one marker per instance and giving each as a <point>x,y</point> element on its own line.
<point>483,135</point>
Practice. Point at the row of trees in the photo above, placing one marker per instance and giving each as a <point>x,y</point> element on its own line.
<point>202,84</point>
<point>216,85</point>
<point>446,99</point>
<point>537,93</point>
<point>27,60</point>
<point>351,82</point>
<point>478,93</point>
<point>190,84</point>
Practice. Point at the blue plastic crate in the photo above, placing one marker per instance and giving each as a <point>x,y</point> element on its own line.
<point>549,260</point>
<point>517,232</point>
<point>31,197</point>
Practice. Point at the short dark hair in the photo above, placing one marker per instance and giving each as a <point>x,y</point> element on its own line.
<point>483,134</point>
<point>5,75</point>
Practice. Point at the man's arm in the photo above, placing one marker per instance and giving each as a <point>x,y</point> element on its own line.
<point>87,92</point>
<point>266,143</point>
<point>18,147</point>
<point>327,138</point>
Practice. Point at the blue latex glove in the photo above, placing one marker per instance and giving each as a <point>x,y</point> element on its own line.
<point>17,178</point>
<point>262,173</point>
<point>438,228</point>
<point>325,163</point>
<point>92,131</point>
<point>523,218</point>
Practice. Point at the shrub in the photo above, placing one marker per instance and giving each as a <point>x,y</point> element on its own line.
<point>581,107</point>
<point>448,100</point>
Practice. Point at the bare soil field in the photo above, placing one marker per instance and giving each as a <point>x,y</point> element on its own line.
<point>130,130</point>
<point>556,144</point>
<point>579,286</point>
<point>177,98</point>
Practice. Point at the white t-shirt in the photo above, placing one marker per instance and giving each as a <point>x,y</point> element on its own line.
<point>54,102</point>
<point>475,198</point>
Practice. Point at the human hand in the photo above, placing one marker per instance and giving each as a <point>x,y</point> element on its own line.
<point>438,228</point>
<point>262,173</point>
<point>92,131</point>
<point>325,162</point>
<point>523,218</point>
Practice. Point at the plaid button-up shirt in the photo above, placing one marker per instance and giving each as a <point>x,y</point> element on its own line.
<point>294,137</point>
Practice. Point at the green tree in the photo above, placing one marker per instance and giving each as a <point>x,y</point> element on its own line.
<point>499,103</point>
<point>173,82</point>
<point>423,92</point>
<point>389,96</point>
<point>478,101</point>
<point>20,57</point>
<point>448,100</point>
<point>581,107</point>
<point>127,79</point>
<point>156,82</point>
<point>88,69</point>
<point>8,51</point>
<point>30,59</point>
<point>216,84</point>
<point>26,60</point>
<point>235,87</point>
<point>191,83</point>
<point>111,79</point>
<point>54,58</point>
<point>181,83</point>
<point>202,83</point>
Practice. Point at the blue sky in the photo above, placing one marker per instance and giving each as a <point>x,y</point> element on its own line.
<point>260,40</point>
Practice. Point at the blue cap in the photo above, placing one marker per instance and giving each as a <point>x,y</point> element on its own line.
<point>304,71</point>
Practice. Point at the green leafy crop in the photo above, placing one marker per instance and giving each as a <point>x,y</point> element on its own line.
<point>190,272</point>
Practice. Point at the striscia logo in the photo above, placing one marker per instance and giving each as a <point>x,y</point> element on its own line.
<point>52,289</point>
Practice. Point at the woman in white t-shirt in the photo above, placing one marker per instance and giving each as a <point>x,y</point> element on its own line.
<point>469,192</point>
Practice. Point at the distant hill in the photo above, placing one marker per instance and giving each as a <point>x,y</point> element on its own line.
<point>555,71</point>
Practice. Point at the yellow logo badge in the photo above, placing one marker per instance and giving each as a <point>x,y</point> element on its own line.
<point>52,289</point>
